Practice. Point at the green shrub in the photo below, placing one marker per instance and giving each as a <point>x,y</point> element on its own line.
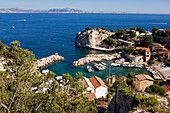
<point>129,81</point>
<point>141,30</point>
<point>129,50</point>
<point>155,89</point>
<point>127,92</point>
<point>132,34</point>
<point>112,30</point>
<point>103,28</point>
<point>110,41</point>
<point>146,101</point>
<point>120,32</point>
<point>88,28</point>
<point>157,81</point>
<point>132,75</point>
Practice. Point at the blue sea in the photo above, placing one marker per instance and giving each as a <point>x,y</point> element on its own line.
<point>47,34</point>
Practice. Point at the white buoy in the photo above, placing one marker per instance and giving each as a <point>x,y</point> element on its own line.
<point>13,27</point>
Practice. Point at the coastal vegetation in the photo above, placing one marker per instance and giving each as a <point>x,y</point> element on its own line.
<point>103,38</point>
<point>110,41</point>
<point>119,33</point>
<point>24,89</point>
<point>130,78</point>
<point>129,50</point>
<point>141,30</point>
<point>145,41</point>
<point>156,89</point>
<point>145,101</point>
<point>119,83</point>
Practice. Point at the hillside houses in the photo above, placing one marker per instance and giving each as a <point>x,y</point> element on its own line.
<point>162,52</point>
<point>147,53</point>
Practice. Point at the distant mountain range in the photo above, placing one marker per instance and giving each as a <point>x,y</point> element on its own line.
<point>55,10</point>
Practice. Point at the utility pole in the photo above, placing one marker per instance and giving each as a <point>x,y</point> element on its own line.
<point>115,100</point>
<point>108,81</point>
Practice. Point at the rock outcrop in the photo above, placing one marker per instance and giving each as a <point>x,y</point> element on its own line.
<point>49,60</point>
<point>92,38</point>
<point>94,58</point>
<point>124,104</point>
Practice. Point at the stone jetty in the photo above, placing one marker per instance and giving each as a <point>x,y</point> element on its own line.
<point>43,62</point>
<point>95,58</point>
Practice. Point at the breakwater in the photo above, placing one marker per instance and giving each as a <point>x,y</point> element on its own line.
<point>95,58</point>
<point>43,62</point>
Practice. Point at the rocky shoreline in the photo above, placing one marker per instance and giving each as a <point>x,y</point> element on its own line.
<point>43,62</point>
<point>94,58</point>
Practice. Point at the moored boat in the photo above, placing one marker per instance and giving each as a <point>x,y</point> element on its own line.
<point>90,69</point>
<point>103,63</point>
<point>99,66</point>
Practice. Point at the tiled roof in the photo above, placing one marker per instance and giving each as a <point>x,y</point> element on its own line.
<point>89,84</point>
<point>166,87</point>
<point>163,52</point>
<point>97,82</point>
<point>91,96</point>
<point>146,49</point>
<point>144,77</point>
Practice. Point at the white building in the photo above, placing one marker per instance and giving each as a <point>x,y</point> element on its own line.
<point>89,85</point>
<point>101,89</point>
<point>95,86</point>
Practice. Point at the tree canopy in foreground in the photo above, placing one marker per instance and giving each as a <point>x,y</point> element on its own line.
<point>24,89</point>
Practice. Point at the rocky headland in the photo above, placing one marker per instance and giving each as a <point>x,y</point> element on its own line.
<point>95,38</point>
<point>94,58</point>
<point>43,62</point>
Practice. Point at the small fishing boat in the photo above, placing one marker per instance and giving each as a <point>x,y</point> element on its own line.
<point>90,69</point>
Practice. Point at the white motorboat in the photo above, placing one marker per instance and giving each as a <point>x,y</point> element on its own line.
<point>90,69</point>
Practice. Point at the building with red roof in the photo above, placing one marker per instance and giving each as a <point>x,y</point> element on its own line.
<point>96,88</point>
<point>101,89</point>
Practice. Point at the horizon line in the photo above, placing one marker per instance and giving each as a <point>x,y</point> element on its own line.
<point>99,12</point>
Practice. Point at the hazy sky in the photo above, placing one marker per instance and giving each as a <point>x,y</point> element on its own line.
<point>147,6</point>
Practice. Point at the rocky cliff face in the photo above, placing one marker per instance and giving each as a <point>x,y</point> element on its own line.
<point>124,104</point>
<point>92,38</point>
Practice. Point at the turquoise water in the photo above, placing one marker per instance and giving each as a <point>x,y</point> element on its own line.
<point>46,34</point>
